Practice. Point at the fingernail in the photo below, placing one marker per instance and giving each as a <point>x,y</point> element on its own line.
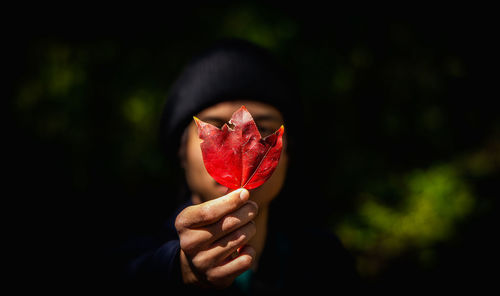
<point>254,203</point>
<point>244,194</point>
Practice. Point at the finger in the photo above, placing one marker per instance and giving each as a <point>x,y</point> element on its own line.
<point>227,245</point>
<point>211,211</point>
<point>221,249</point>
<point>195,239</point>
<point>230,270</point>
<point>205,235</point>
<point>233,221</point>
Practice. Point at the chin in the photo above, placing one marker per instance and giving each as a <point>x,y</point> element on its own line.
<point>217,190</point>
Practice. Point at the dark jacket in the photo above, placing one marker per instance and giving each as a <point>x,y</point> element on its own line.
<point>306,259</point>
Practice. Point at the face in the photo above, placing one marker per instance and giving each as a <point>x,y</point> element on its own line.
<point>202,185</point>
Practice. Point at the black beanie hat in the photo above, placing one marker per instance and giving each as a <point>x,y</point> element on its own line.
<point>229,70</point>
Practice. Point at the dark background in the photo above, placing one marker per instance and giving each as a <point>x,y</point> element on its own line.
<point>401,125</point>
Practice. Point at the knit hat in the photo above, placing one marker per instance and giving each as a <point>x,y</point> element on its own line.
<point>229,70</point>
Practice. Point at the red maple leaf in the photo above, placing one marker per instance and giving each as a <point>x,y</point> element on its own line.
<point>239,157</point>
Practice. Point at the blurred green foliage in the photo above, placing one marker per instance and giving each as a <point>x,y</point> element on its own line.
<point>433,202</point>
<point>412,146</point>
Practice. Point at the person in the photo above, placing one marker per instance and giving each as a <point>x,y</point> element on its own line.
<point>242,242</point>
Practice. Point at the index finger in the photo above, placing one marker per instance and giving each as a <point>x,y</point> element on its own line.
<point>211,211</point>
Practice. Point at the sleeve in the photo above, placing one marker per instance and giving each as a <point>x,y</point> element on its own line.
<point>161,264</point>
<point>152,263</point>
<point>154,271</point>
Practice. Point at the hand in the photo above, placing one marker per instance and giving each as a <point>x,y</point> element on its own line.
<point>213,235</point>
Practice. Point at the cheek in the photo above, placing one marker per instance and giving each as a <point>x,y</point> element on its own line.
<point>264,194</point>
<point>279,175</point>
<point>199,181</point>
<point>194,156</point>
<point>194,159</point>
